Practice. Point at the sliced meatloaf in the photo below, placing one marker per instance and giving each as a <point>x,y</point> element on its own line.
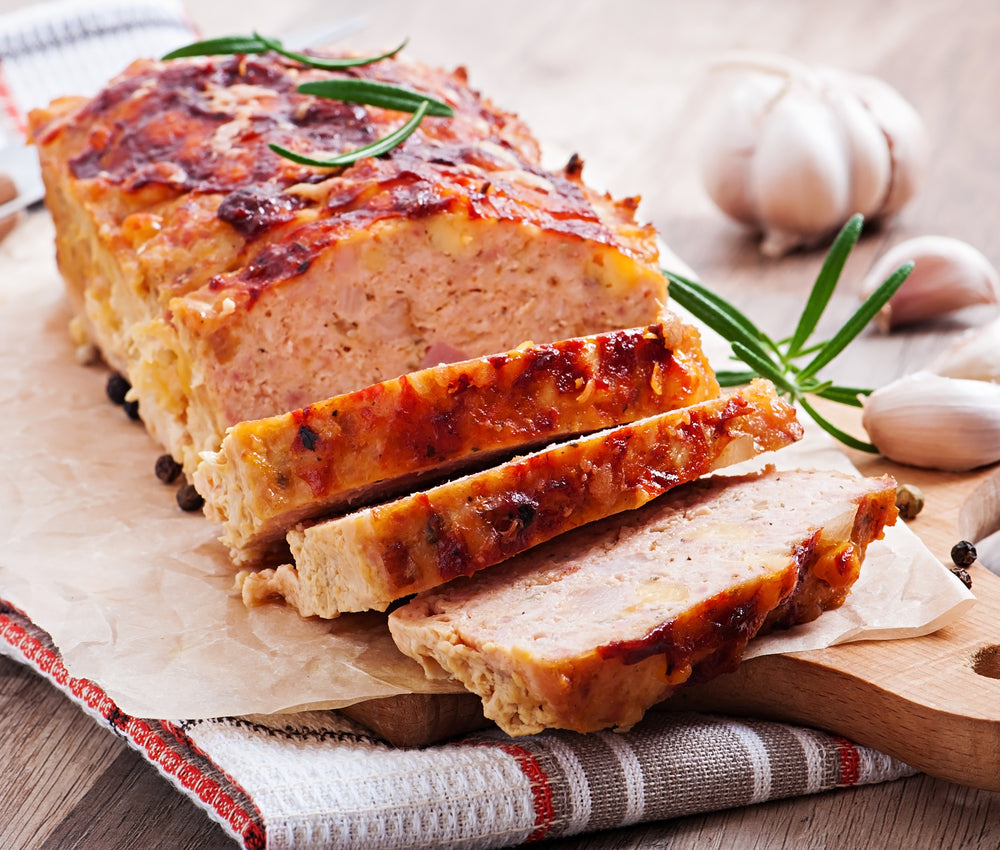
<point>229,283</point>
<point>383,440</point>
<point>590,630</point>
<point>372,557</point>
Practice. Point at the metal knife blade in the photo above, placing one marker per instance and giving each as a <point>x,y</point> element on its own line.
<point>20,163</point>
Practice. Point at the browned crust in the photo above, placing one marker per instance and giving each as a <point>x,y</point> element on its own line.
<point>385,439</point>
<point>829,569</point>
<point>229,283</point>
<point>614,683</point>
<point>142,144</point>
<point>711,638</point>
<point>372,557</point>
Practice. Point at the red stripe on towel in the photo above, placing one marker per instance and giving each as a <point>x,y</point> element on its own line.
<point>157,746</point>
<point>850,761</point>
<point>540,788</point>
<point>9,106</point>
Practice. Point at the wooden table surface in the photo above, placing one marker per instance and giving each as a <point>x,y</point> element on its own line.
<point>621,84</point>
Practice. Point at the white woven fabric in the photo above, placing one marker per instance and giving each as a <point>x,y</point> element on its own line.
<point>62,47</point>
<point>316,781</point>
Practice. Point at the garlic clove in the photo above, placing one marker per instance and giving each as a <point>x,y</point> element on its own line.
<point>948,275</point>
<point>974,355</point>
<point>867,155</point>
<point>901,125</point>
<point>988,550</point>
<point>934,422</point>
<point>730,141</point>
<point>799,175</point>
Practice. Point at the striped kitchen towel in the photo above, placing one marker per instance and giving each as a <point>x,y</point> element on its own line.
<point>64,47</point>
<point>318,780</point>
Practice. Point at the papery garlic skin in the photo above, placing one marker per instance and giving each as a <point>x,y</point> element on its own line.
<point>796,151</point>
<point>800,179</point>
<point>934,422</point>
<point>975,355</point>
<point>948,275</point>
<point>870,176</point>
<point>901,125</point>
<point>730,142</point>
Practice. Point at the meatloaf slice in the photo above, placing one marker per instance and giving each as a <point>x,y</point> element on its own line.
<point>593,628</point>
<point>230,283</point>
<point>381,441</point>
<point>372,557</point>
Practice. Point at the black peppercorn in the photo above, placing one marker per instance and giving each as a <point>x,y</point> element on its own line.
<point>188,498</point>
<point>963,554</point>
<point>167,469</point>
<point>117,388</point>
<point>132,410</point>
<point>963,576</point>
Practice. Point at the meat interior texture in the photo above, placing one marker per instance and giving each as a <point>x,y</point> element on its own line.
<point>590,630</point>
<point>389,438</point>
<point>229,283</point>
<point>239,290</point>
<point>372,557</point>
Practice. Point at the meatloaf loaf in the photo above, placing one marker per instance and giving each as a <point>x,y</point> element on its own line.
<point>229,283</point>
<point>383,440</point>
<point>590,630</point>
<point>372,557</point>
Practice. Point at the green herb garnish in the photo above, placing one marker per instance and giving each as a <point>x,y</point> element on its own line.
<point>779,361</point>
<point>376,148</point>
<point>346,89</point>
<point>257,43</point>
<point>373,93</point>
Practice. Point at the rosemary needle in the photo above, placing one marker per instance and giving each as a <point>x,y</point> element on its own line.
<point>257,43</point>
<point>778,361</point>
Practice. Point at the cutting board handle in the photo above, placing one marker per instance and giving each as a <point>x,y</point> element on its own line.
<point>932,701</point>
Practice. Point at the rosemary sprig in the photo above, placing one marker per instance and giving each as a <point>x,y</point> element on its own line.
<point>346,89</point>
<point>257,43</point>
<point>374,93</point>
<point>779,361</point>
<point>376,148</point>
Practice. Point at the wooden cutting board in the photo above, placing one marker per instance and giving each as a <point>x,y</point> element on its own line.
<point>933,701</point>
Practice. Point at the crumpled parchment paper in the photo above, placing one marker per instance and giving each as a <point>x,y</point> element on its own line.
<point>138,597</point>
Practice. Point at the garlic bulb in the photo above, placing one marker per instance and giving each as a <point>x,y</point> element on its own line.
<point>935,422</point>
<point>974,355</point>
<point>796,151</point>
<point>948,275</point>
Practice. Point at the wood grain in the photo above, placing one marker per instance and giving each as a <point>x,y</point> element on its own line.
<point>619,83</point>
<point>67,783</point>
<point>417,720</point>
<point>932,701</point>
<point>919,812</point>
